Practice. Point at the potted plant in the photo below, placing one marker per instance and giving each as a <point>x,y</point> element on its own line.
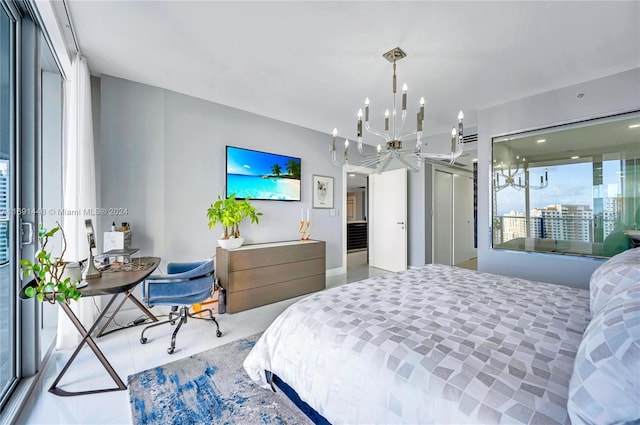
<point>52,280</point>
<point>230,212</point>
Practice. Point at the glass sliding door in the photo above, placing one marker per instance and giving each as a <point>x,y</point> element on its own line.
<point>8,285</point>
<point>30,180</point>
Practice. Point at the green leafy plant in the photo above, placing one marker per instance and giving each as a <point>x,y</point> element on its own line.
<point>229,213</point>
<point>48,270</point>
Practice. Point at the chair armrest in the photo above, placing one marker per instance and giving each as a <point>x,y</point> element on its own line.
<point>175,278</point>
<point>173,268</point>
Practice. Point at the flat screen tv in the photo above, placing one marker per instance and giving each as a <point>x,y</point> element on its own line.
<point>262,176</point>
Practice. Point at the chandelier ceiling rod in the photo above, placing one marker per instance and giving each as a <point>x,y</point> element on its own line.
<point>393,147</point>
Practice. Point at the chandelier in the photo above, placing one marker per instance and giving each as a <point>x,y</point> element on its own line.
<point>393,146</point>
<point>506,176</point>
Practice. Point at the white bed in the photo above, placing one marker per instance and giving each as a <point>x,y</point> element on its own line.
<point>437,344</point>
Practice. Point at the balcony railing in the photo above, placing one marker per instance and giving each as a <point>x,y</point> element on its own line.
<point>567,235</point>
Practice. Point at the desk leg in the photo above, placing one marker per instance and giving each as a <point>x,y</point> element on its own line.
<point>86,338</point>
<point>127,296</point>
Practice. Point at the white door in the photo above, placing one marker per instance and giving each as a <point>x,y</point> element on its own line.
<point>463,249</point>
<point>443,218</point>
<point>388,220</point>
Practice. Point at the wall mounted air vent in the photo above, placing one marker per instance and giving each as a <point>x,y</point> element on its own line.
<point>470,138</point>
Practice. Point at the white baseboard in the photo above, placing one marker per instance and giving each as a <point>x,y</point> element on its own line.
<point>337,271</point>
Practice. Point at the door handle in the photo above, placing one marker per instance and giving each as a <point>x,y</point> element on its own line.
<point>400,222</point>
<point>29,227</point>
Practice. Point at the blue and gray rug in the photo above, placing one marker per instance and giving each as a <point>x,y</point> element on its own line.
<point>208,388</point>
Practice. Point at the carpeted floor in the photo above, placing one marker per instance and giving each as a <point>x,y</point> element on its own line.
<point>206,388</point>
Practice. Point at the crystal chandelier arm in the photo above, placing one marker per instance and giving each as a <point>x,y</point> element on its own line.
<point>370,162</point>
<point>383,165</point>
<point>511,173</point>
<point>544,181</point>
<point>334,159</point>
<point>407,164</point>
<point>410,135</point>
<point>418,141</point>
<point>496,183</point>
<point>375,132</point>
<point>402,121</point>
<point>456,151</point>
<point>449,156</point>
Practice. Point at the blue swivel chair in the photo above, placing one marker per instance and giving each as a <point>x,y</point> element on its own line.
<point>183,285</point>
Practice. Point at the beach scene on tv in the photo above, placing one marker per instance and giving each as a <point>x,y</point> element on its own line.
<point>260,175</point>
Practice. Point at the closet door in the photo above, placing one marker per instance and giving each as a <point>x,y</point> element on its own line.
<point>463,249</point>
<point>443,218</point>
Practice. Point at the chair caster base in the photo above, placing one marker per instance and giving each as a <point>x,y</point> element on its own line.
<point>218,334</point>
<point>143,340</point>
<point>170,350</point>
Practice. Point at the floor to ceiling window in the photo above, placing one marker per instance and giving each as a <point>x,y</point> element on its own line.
<point>30,183</point>
<point>8,336</point>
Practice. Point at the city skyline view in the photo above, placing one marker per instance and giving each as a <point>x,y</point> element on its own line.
<point>569,184</point>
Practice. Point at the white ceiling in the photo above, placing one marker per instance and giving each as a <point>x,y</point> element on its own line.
<point>312,63</point>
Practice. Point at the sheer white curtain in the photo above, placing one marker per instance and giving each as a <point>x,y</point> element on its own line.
<point>79,187</point>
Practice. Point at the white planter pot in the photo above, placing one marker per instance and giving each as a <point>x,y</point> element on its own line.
<point>232,243</point>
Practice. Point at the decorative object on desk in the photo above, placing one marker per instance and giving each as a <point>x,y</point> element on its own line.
<point>230,212</point>
<point>90,271</point>
<point>133,266</point>
<point>322,192</point>
<point>52,282</point>
<point>208,387</point>
<point>393,148</point>
<point>305,235</point>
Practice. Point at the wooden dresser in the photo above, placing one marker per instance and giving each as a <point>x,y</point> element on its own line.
<point>260,274</point>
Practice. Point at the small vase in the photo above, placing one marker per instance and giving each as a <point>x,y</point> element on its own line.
<point>231,243</point>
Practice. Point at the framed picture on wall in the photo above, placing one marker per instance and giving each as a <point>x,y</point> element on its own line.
<point>322,192</point>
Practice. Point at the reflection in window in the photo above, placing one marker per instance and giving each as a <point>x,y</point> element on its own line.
<point>572,189</point>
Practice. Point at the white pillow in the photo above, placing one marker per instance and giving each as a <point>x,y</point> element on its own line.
<point>605,385</point>
<point>618,274</point>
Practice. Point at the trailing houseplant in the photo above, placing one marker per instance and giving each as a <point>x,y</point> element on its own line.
<point>229,213</point>
<point>51,283</point>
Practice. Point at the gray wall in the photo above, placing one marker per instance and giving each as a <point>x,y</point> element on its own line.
<point>161,155</point>
<point>603,96</point>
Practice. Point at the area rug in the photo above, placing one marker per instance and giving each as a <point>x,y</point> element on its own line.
<point>208,388</point>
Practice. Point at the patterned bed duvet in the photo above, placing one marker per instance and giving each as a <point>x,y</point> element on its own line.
<point>437,344</point>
